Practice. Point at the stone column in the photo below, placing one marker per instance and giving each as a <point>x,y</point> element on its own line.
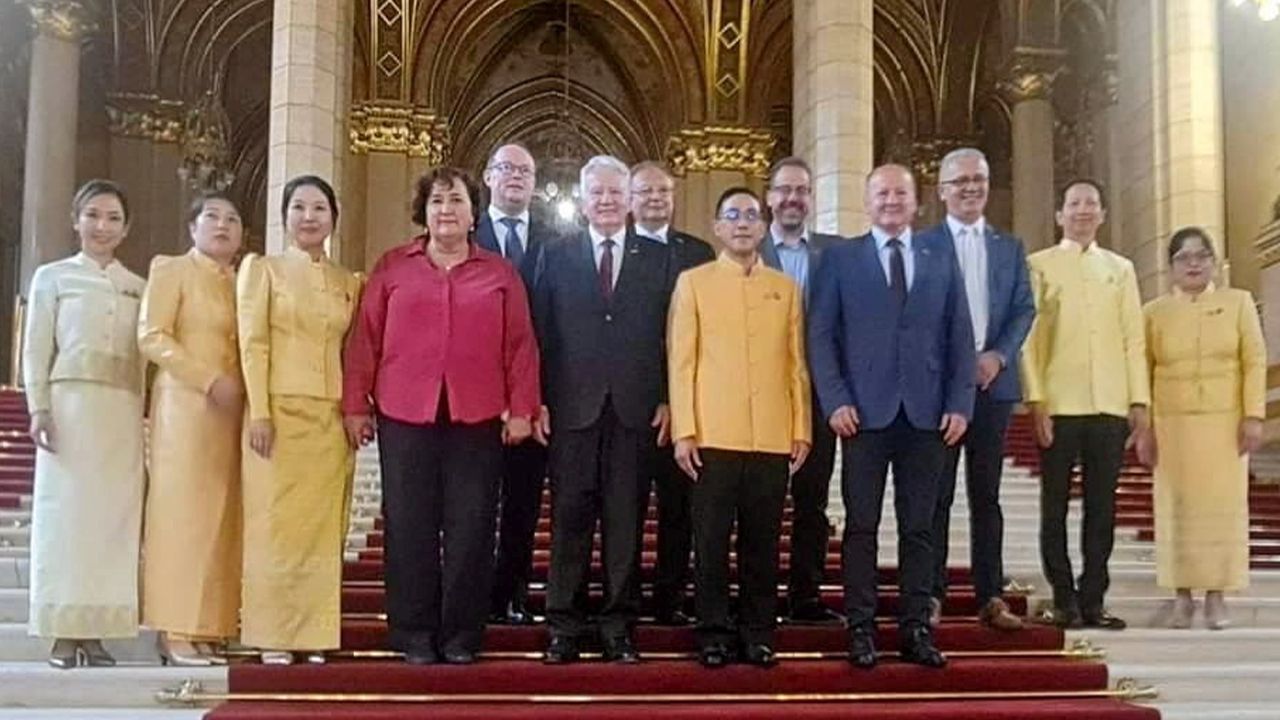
<point>1028,88</point>
<point>708,161</point>
<point>1170,128</point>
<point>49,179</point>
<point>833,109</point>
<point>310,88</point>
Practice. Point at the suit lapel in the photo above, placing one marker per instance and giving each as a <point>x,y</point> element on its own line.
<point>769,253</point>
<point>485,236</point>
<point>634,256</point>
<point>922,254</point>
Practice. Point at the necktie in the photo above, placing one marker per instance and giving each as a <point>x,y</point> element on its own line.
<point>897,272</point>
<point>606,268</point>
<point>514,250</point>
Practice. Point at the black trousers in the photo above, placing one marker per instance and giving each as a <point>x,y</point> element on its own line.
<point>597,473</point>
<point>675,532</point>
<point>439,500</point>
<point>983,445</point>
<point>1098,442</point>
<point>917,457</point>
<point>752,488</point>
<point>810,530</point>
<point>524,467</point>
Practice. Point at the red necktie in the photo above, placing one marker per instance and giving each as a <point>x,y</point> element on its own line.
<point>606,268</point>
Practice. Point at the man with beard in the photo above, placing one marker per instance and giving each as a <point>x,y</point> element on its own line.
<point>600,311</point>
<point>509,230</point>
<point>652,207</point>
<point>1001,310</point>
<point>789,246</point>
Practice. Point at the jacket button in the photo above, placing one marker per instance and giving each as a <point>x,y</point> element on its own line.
<point>608,318</point>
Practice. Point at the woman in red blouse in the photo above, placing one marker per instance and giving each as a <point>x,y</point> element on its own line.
<point>443,352</point>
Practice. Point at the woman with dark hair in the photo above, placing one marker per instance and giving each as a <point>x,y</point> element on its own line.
<point>191,546</point>
<point>443,352</point>
<point>294,310</point>
<point>1208,391</point>
<point>83,379</point>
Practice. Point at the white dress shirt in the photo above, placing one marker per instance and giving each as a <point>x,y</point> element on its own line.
<point>971,251</point>
<point>659,235</point>
<point>884,252</point>
<point>500,229</point>
<point>597,250</point>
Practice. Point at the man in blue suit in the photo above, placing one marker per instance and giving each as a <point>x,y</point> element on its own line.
<point>1001,309</point>
<point>507,228</point>
<point>891,353</point>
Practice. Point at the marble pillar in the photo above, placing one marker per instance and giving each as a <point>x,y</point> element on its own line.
<point>310,89</point>
<point>833,108</point>
<point>1028,88</point>
<point>49,175</point>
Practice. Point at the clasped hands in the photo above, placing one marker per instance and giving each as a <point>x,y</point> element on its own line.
<point>845,423</point>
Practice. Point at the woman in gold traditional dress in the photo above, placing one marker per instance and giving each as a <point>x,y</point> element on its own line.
<point>191,547</point>
<point>1208,366</point>
<point>83,379</point>
<point>294,311</point>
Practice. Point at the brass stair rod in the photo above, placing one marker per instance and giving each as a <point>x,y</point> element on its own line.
<point>15,342</point>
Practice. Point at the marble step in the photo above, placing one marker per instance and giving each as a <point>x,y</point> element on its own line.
<point>100,714</point>
<point>18,646</point>
<point>36,685</point>
<point>1153,610</point>
<point>1196,646</point>
<point>1228,710</point>
<point>1207,683</point>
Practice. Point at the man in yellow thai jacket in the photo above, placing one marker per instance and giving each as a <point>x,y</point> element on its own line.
<point>1084,377</point>
<point>740,411</point>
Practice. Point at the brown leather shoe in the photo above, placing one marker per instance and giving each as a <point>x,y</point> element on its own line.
<point>996,614</point>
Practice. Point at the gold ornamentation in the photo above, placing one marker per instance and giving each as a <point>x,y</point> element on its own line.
<point>416,132</point>
<point>146,118</point>
<point>1032,74</point>
<point>62,19</point>
<point>738,149</point>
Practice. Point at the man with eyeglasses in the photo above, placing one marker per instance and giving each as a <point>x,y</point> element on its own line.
<point>1084,377</point>
<point>740,417</point>
<point>652,208</point>
<point>791,247</point>
<point>509,230</point>
<point>994,267</point>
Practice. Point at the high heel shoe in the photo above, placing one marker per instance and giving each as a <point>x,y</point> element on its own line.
<point>1183,608</point>
<point>65,654</point>
<point>276,657</point>
<point>95,655</point>
<point>180,653</point>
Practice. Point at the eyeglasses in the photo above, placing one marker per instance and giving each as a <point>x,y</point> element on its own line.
<point>1198,257</point>
<point>788,190</point>
<point>736,215</point>
<point>506,168</point>
<point>645,192</point>
<point>965,180</point>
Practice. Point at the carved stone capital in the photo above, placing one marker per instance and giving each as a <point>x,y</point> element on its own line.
<point>1031,75</point>
<point>146,117</point>
<point>416,132</point>
<point>739,149</point>
<point>68,20</point>
<point>924,155</point>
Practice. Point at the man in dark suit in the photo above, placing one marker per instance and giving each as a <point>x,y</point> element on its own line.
<point>891,352</point>
<point>652,207</point>
<point>509,230</point>
<point>1001,309</point>
<point>600,310</point>
<point>789,246</point>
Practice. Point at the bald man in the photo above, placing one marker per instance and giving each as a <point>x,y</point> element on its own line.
<point>891,355</point>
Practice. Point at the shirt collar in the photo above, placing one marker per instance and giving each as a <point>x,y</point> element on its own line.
<point>728,263</point>
<point>1180,293</point>
<point>207,262</point>
<point>298,253</point>
<point>882,238</point>
<point>84,259</point>
<point>497,215</point>
<point>597,238</point>
<point>775,234</point>
<point>955,225</point>
<point>1069,244</point>
<point>661,234</point>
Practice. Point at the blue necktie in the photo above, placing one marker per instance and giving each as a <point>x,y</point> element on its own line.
<point>514,250</point>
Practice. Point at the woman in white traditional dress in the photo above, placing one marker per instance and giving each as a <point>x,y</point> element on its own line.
<point>84,378</point>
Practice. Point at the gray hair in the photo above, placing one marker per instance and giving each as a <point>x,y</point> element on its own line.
<point>964,153</point>
<point>601,163</point>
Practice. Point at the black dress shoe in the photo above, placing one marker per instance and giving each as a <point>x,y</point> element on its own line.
<point>515,613</point>
<point>862,648</point>
<point>715,655</point>
<point>917,647</point>
<point>459,657</point>
<point>813,612</point>
<point>1103,620</point>
<point>760,654</point>
<point>562,649</point>
<point>425,655</point>
<point>672,618</point>
<point>621,650</point>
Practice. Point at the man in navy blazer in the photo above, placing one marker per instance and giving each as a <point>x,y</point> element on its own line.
<point>507,228</point>
<point>891,353</point>
<point>791,248</point>
<point>1001,309</point>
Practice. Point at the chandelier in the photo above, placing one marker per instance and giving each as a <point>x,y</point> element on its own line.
<point>204,146</point>
<point>1267,9</point>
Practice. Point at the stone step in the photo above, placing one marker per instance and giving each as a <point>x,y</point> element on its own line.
<point>1218,710</point>
<point>18,646</point>
<point>37,685</point>
<point>100,713</point>
<point>1254,682</point>
<point>1196,646</point>
<point>1154,610</point>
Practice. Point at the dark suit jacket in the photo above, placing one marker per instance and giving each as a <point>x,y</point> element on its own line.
<point>817,245</point>
<point>1012,307</point>
<point>539,236</point>
<point>687,251</point>
<point>593,349</point>
<point>866,352</point>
